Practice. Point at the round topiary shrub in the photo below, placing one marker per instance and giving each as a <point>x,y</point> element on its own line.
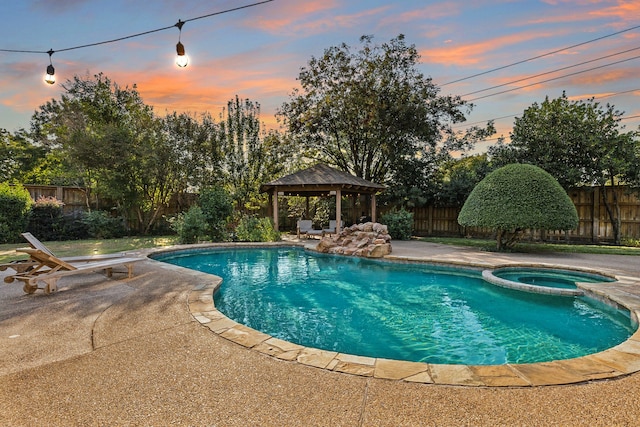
<point>517,197</point>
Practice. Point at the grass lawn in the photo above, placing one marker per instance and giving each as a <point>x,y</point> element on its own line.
<point>107,246</point>
<point>90,247</point>
<point>490,245</point>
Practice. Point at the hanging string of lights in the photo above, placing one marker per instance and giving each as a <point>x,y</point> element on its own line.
<point>182,60</point>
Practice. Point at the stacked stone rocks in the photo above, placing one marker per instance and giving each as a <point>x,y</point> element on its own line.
<point>370,240</point>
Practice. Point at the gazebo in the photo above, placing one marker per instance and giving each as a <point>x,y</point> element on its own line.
<point>320,180</point>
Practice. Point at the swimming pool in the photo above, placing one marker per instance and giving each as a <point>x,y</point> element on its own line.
<point>401,311</point>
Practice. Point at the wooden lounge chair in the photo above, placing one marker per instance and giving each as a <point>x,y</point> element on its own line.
<point>305,226</point>
<point>22,266</point>
<point>48,269</point>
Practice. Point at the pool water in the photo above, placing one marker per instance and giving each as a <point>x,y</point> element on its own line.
<point>549,277</point>
<point>410,312</point>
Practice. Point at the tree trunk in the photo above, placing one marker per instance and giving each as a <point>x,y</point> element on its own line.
<point>613,211</point>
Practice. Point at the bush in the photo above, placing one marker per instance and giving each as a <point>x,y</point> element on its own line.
<point>517,197</point>
<point>46,219</point>
<point>190,226</point>
<point>217,206</point>
<point>15,202</point>
<point>252,229</point>
<point>399,223</point>
<point>101,225</point>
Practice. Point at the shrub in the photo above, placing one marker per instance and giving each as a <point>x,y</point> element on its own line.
<point>217,206</point>
<point>46,220</point>
<point>101,225</point>
<point>399,223</point>
<point>322,214</point>
<point>15,202</point>
<point>252,229</point>
<point>517,197</point>
<point>190,226</point>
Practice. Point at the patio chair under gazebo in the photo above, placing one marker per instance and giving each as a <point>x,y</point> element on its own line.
<point>320,180</point>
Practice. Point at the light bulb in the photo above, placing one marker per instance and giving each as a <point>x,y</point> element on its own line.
<point>50,77</point>
<point>182,60</point>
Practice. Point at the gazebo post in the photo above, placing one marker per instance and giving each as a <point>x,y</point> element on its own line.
<point>373,207</point>
<point>306,209</point>
<point>275,209</point>
<point>338,209</point>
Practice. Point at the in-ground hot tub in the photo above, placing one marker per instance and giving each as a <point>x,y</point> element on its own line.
<point>543,280</point>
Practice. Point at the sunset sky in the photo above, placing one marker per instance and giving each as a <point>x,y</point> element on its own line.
<point>257,52</point>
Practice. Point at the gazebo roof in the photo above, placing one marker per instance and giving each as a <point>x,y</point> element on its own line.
<point>321,179</point>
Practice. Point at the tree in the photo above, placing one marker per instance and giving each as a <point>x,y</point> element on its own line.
<point>116,145</point>
<point>18,155</point>
<point>250,157</point>
<point>216,206</point>
<point>460,178</point>
<point>579,143</point>
<point>372,113</point>
<point>517,197</point>
<point>15,203</point>
<point>196,142</point>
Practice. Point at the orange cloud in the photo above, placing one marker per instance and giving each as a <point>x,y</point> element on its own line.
<point>304,18</point>
<point>282,17</point>
<point>431,12</point>
<point>623,10</point>
<point>475,53</point>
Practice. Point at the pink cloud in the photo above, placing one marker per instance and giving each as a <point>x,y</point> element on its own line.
<point>305,18</point>
<point>623,10</point>
<point>282,17</point>
<point>430,12</point>
<point>474,53</point>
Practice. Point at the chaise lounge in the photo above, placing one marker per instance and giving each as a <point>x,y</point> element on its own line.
<point>44,268</point>
<point>305,226</point>
<point>332,227</point>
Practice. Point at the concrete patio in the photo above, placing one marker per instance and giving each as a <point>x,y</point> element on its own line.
<point>136,352</point>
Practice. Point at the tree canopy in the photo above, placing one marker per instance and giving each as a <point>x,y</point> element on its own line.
<point>517,197</point>
<point>371,113</point>
<point>105,138</point>
<point>578,143</point>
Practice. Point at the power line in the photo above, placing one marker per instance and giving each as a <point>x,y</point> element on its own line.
<point>540,56</point>
<point>514,115</point>
<point>555,78</point>
<point>552,71</point>
<point>137,34</point>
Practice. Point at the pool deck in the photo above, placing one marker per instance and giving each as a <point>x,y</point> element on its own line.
<point>152,350</point>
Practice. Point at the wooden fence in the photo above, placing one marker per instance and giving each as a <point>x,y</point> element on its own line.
<point>594,225</point>
<point>74,198</point>
<point>77,200</point>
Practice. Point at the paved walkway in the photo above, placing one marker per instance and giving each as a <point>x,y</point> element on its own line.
<point>129,352</point>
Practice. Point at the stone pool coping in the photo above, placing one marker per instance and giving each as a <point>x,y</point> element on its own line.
<point>618,361</point>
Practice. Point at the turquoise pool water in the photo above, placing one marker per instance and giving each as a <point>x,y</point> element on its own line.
<point>401,311</point>
<point>548,277</point>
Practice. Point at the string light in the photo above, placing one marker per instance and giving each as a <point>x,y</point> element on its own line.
<point>182,60</point>
<point>50,76</point>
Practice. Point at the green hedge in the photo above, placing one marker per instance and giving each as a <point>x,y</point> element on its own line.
<point>399,224</point>
<point>15,203</point>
